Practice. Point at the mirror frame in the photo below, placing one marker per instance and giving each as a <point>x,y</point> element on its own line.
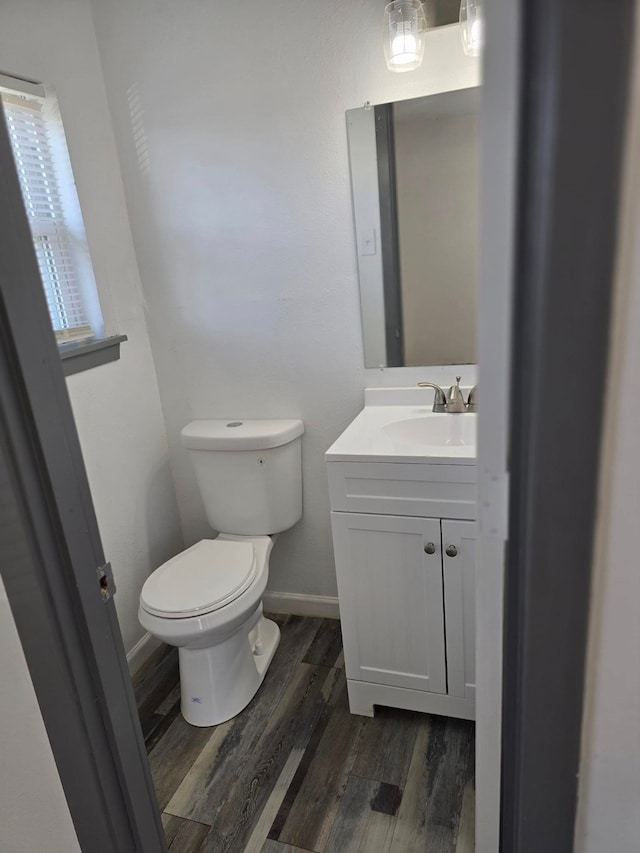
<point>375,218</point>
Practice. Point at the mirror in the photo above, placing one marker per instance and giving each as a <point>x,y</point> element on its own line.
<point>414,181</point>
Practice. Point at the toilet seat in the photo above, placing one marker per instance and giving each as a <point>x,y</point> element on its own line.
<point>202,579</point>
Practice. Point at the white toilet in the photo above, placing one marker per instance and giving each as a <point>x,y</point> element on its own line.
<point>208,599</point>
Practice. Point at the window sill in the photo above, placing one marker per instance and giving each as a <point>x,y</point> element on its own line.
<point>84,355</point>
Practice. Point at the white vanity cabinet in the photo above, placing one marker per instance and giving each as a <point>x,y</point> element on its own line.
<point>406,588</point>
<point>402,488</point>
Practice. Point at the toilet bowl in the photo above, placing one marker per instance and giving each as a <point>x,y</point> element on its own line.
<point>207,600</point>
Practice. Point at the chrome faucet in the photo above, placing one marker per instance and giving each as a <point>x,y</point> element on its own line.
<point>453,402</point>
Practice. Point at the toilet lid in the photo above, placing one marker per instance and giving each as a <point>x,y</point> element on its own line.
<point>201,579</point>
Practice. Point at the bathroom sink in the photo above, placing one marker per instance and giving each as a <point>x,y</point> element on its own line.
<point>396,426</point>
<point>435,430</point>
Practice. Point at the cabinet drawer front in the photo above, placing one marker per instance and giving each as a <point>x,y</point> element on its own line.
<point>391,600</point>
<point>425,491</point>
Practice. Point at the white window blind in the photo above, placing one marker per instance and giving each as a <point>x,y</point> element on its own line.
<point>41,157</point>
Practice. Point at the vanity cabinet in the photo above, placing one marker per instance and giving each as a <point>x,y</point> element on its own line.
<point>406,588</point>
<point>402,488</point>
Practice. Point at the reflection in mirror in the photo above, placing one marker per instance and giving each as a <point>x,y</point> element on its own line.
<point>414,180</point>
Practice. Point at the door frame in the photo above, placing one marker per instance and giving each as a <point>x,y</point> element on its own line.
<point>58,583</point>
<point>575,66</point>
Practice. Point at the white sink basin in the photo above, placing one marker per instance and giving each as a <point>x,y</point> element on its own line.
<point>398,425</point>
<point>436,430</point>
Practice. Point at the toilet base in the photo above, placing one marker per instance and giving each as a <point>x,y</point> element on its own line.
<point>218,682</point>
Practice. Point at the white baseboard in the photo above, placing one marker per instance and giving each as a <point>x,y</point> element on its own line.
<point>325,606</point>
<point>143,649</point>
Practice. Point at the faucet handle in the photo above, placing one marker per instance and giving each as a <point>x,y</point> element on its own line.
<point>455,398</point>
<point>472,400</point>
<point>439,400</point>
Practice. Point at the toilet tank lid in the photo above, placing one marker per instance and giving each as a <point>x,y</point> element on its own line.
<point>239,434</point>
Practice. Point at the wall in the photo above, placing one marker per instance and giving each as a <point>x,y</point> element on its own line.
<point>117,406</point>
<point>231,129</point>
<point>609,800</point>
<point>33,810</point>
<point>437,180</point>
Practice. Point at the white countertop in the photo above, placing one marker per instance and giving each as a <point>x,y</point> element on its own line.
<point>380,433</point>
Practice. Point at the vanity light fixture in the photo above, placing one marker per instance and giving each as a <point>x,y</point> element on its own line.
<point>472,26</point>
<point>405,24</point>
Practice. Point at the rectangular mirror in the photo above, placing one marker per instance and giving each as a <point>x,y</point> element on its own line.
<point>414,181</point>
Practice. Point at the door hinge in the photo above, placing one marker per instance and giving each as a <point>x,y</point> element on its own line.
<point>106,582</point>
<point>493,506</point>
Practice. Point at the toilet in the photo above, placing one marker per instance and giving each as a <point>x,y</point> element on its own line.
<point>207,600</point>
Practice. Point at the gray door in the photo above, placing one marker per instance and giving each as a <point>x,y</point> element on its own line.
<point>53,566</point>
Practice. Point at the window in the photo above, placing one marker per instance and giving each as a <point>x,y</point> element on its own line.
<point>51,202</point>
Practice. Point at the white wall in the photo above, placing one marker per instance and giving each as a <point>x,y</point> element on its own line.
<point>33,809</point>
<point>609,801</point>
<point>437,181</point>
<point>117,406</point>
<point>231,129</point>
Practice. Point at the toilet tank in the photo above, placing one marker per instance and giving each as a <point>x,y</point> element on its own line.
<point>249,473</point>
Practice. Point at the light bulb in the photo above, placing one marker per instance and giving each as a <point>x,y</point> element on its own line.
<point>404,27</point>
<point>404,47</point>
<point>472,27</point>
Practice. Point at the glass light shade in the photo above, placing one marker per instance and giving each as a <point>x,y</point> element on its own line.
<point>472,27</point>
<point>404,28</point>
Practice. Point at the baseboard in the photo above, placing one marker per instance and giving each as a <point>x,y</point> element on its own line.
<point>143,649</point>
<point>325,606</point>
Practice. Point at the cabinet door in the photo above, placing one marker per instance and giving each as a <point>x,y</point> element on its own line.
<point>391,599</point>
<point>459,605</point>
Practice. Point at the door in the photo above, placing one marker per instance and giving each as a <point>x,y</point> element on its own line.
<point>389,572</point>
<point>459,573</point>
<point>54,570</point>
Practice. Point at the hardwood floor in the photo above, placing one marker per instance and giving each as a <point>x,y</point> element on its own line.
<point>295,771</point>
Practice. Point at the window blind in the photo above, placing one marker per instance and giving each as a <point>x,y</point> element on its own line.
<point>34,153</point>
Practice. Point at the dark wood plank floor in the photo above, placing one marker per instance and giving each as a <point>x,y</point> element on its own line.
<point>295,771</point>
